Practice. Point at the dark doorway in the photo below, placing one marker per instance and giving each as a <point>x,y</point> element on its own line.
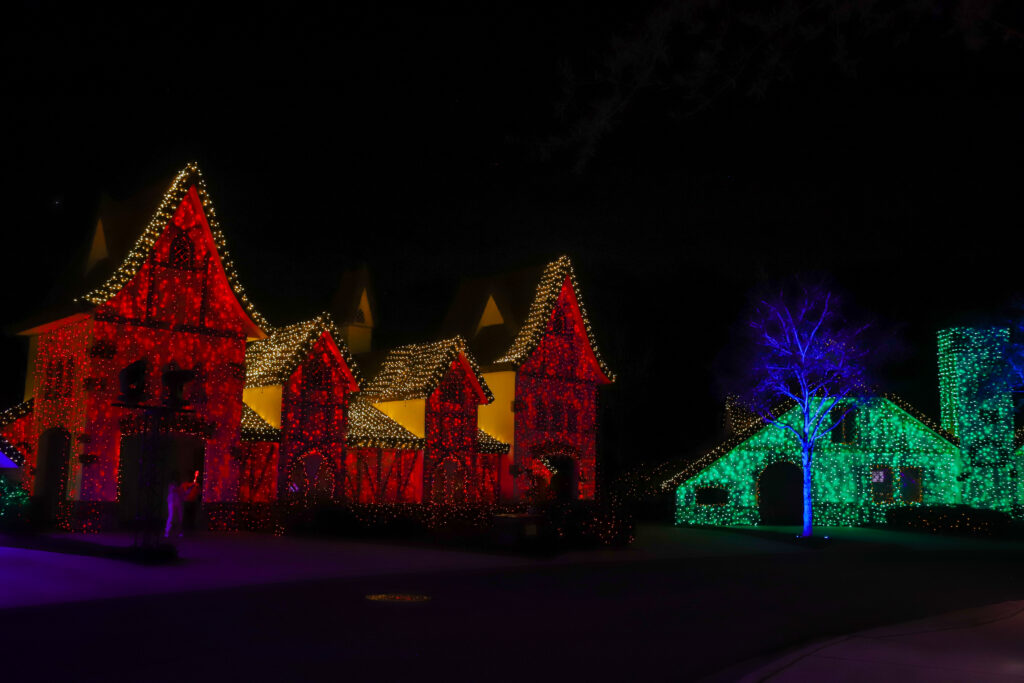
<point>780,495</point>
<point>179,458</point>
<point>564,478</point>
<point>51,473</point>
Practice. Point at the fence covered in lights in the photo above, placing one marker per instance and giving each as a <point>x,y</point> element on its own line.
<point>884,454</point>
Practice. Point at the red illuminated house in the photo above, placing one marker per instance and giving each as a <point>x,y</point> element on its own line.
<point>543,366</point>
<point>434,391</point>
<point>173,302</point>
<point>298,382</point>
<point>281,415</point>
<point>306,436</point>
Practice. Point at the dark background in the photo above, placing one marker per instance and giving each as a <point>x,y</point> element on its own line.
<point>681,153</point>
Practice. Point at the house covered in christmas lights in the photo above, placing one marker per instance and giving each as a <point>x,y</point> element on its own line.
<point>266,415</point>
<point>883,455</point>
<point>544,369</point>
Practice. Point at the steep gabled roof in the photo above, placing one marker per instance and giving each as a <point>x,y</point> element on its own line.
<point>512,293</point>
<point>532,331</point>
<point>367,428</point>
<point>485,443</point>
<point>370,428</point>
<point>255,428</point>
<point>923,419</point>
<point>188,177</point>
<point>13,414</point>
<point>416,370</point>
<point>750,428</point>
<point>273,360</point>
<point>693,467</point>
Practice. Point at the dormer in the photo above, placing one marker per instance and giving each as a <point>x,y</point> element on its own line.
<point>353,308</point>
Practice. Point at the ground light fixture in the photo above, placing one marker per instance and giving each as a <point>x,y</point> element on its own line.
<point>397,597</point>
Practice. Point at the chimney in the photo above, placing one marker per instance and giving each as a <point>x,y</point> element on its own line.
<point>977,406</point>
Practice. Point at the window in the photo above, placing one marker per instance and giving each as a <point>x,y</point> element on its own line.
<point>712,495</point>
<point>60,377</point>
<point>844,433</point>
<point>317,376</point>
<point>881,484</point>
<point>451,396</point>
<point>180,253</point>
<point>561,323</point>
<point>911,490</point>
<point>543,415</point>
<point>571,419</point>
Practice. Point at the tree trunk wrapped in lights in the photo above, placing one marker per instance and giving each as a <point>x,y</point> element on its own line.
<point>804,354</point>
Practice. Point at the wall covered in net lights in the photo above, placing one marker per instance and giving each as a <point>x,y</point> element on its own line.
<point>454,472</point>
<point>179,309</point>
<point>556,401</point>
<point>884,441</point>
<point>313,425</point>
<point>977,406</point>
<point>176,303</point>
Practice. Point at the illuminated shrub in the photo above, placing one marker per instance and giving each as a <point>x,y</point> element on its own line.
<point>951,519</point>
<point>13,504</point>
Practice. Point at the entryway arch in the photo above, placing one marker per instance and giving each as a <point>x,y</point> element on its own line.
<point>780,494</point>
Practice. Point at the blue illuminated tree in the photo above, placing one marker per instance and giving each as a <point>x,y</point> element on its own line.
<point>1009,375</point>
<point>803,352</point>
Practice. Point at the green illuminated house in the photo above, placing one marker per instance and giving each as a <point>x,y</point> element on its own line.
<point>884,454</point>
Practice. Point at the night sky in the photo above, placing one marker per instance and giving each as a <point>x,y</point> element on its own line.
<point>681,153</point>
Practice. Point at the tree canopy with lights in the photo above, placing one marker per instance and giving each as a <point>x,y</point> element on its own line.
<point>803,352</point>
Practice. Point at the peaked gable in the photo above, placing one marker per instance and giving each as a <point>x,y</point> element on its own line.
<point>254,428</point>
<point>491,315</point>
<point>354,299</point>
<point>272,360</point>
<point>758,428</point>
<point>186,195</point>
<point>364,314</point>
<point>370,428</point>
<point>558,283</point>
<point>416,370</point>
<point>98,247</point>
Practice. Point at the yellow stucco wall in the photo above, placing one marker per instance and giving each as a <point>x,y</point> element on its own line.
<point>491,315</point>
<point>357,337</point>
<point>30,373</point>
<point>410,414</point>
<point>266,401</point>
<point>496,418</point>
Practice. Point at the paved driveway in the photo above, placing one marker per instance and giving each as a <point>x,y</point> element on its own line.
<point>680,605</point>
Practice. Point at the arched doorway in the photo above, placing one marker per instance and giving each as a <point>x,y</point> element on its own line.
<point>51,472</point>
<point>780,494</point>
<point>562,461</point>
<point>564,478</point>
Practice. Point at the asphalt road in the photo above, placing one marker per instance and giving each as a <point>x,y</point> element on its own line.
<point>658,619</point>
